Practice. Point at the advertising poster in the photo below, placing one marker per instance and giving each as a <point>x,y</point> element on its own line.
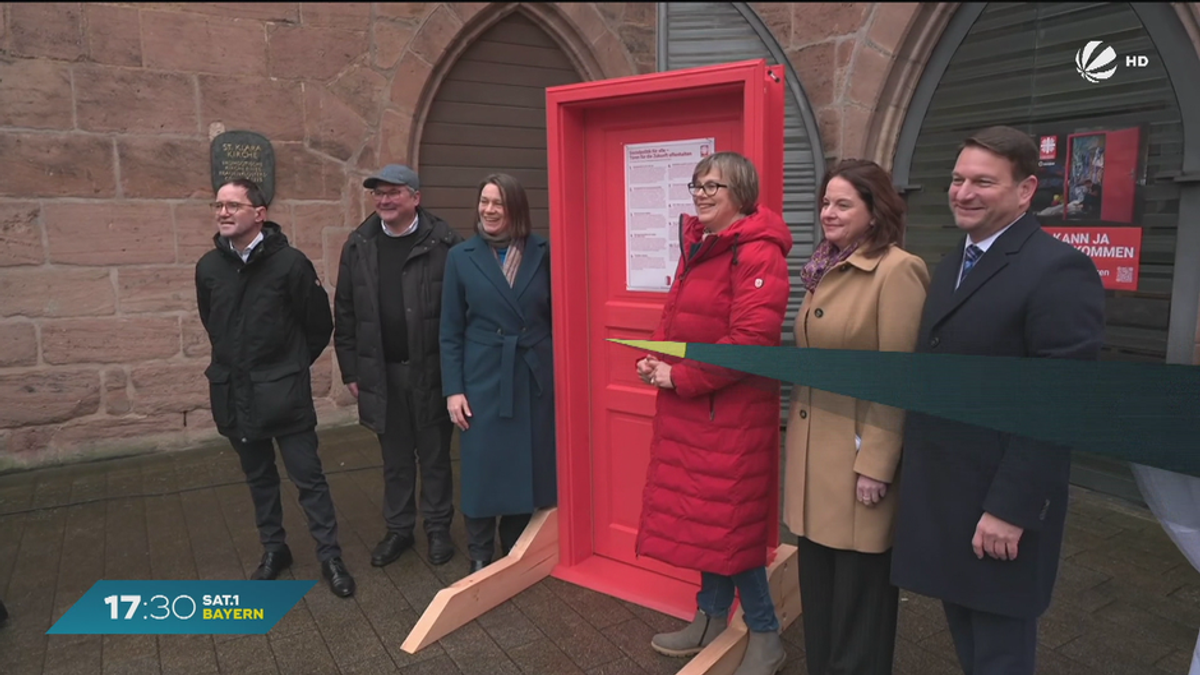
<point>1116,251</point>
<point>656,178</point>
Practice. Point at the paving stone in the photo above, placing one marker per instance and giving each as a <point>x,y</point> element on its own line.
<point>185,654</point>
<point>1178,661</point>
<point>600,610</point>
<point>586,645</point>
<point>474,652</point>
<point>147,665</point>
<point>302,653</point>
<point>72,658</point>
<point>622,666</point>
<point>441,665</point>
<point>245,654</point>
<point>543,656</point>
<point>633,638</point>
<point>508,626</point>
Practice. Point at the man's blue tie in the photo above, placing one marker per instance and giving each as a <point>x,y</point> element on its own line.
<point>972,256</point>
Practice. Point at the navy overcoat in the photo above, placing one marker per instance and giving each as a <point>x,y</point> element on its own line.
<point>496,348</point>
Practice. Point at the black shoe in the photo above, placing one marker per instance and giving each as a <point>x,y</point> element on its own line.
<point>477,565</point>
<point>441,548</point>
<point>340,581</point>
<point>3,613</point>
<point>273,562</point>
<point>392,547</point>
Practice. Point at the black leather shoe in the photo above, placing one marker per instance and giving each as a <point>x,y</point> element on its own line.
<point>392,547</point>
<point>273,562</point>
<point>340,581</point>
<point>441,548</point>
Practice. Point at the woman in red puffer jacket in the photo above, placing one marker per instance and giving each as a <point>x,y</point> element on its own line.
<point>708,489</point>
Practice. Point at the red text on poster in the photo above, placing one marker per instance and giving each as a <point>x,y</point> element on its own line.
<point>1115,250</point>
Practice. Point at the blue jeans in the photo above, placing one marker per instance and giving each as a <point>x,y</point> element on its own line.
<point>716,597</point>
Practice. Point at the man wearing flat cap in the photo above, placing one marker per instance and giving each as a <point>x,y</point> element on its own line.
<point>387,311</point>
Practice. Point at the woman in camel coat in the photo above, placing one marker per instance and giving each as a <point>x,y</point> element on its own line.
<point>864,292</point>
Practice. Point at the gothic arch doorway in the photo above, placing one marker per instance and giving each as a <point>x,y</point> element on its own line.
<point>489,115</point>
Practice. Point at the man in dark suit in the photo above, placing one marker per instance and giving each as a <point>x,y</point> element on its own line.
<point>981,515</point>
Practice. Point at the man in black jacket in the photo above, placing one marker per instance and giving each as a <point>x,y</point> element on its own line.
<point>388,311</point>
<point>268,319</point>
<point>981,513</point>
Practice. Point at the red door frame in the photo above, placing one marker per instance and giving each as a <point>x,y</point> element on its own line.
<point>566,108</point>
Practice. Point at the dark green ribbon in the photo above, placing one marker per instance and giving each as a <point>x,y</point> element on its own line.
<point>1135,412</point>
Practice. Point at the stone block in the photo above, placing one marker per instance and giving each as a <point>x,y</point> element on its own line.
<point>195,226</point>
<point>191,43</point>
<point>870,72</point>
<point>389,39</point>
<point>56,292</point>
<point>302,174</point>
<point>409,81</point>
<point>170,387</point>
<point>48,397</point>
<point>317,54</point>
<point>36,94</point>
<point>309,221</point>
<point>129,432</point>
<point>829,122</point>
<point>777,17</point>
<point>363,90</point>
<point>640,42</point>
<point>332,126</point>
<point>113,233</point>
<point>856,121</point>
<point>613,58</point>
<point>135,101</point>
<point>345,15</point>
<point>286,12</point>
<point>268,106</point>
<point>335,238</point>
<point>587,19</point>
<point>18,345</point>
<point>162,168</point>
<point>56,165</point>
<point>409,11</point>
<point>613,12</point>
<point>156,289</point>
<point>465,11</point>
<point>45,29</point>
<point>396,128</point>
<point>436,34</point>
<point>195,338</point>
<point>818,21</point>
<point>111,340</point>
<point>815,66</point>
<point>114,34</point>
<point>28,442</point>
<point>20,234</point>
<point>116,391</point>
<point>890,23</point>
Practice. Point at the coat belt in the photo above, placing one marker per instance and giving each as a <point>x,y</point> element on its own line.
<point>510,343</point>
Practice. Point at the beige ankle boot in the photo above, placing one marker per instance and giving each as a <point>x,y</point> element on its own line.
<point>764,655</point>
<point>693,638</point>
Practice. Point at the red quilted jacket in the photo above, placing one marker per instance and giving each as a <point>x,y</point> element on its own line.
<point>716,435</point>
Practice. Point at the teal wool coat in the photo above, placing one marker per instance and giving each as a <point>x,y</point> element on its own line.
<point>496,348</point>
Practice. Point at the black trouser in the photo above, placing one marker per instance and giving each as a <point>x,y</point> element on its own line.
<point>850,608</point>
<point>299,452</point>
<point>991,644</point>
<point>406,446</point>
<point>481,534</point>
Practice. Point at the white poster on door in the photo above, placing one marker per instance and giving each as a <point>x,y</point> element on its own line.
<point>656,178</point>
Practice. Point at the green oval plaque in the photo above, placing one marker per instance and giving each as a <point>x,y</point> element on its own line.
<point>244,154</point>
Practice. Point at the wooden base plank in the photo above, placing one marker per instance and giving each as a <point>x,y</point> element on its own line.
<point>531,560</point>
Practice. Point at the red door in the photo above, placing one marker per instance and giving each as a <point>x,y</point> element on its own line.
<point>604,412</point>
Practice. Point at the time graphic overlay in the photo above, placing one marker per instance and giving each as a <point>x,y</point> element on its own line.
<point>181,607</point>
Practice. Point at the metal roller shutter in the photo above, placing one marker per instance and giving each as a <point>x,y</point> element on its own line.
<point>696,34</point>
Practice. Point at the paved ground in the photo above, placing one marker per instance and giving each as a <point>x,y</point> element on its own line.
<point>1127,601</point>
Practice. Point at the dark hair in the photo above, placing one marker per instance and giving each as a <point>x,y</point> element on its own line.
<point>738,172</point>
<point>1012,144</point>
<point>516,204</point>
<point>253,192</point>
<point>874,186</point>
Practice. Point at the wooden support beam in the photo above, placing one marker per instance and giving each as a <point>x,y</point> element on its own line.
<point>531,560</point>
<point>723,655</point>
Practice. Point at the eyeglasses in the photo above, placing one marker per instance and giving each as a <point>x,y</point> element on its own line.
<point>380,194</point>
<point>232,207</point>
<point>710,188</point>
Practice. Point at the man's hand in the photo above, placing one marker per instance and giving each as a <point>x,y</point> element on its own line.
<point>459,410</point>
<point>870,491</point>
<point>996,538</point>
<point>353,387</point>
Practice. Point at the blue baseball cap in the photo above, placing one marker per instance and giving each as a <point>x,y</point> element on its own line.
<point>395,174</point>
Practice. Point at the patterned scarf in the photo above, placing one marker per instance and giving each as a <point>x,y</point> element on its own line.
<point>512,259</point>
<point>825,258</point>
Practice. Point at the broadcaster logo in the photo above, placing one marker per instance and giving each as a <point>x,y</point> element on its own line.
<point>1095,67</point>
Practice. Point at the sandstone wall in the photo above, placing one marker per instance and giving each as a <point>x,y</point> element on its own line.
<point>106,114</point>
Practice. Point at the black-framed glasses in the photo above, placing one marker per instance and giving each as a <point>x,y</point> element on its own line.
<point>709,189</point>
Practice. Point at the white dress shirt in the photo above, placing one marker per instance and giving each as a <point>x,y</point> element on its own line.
<point>411,228</point>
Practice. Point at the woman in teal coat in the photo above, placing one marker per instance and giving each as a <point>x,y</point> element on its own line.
<point>498,369</point>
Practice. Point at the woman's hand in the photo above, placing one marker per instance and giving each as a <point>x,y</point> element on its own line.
<point>459,410</point>
<point>661,377</point>
<point>645,368</point>
<point>870,491</point>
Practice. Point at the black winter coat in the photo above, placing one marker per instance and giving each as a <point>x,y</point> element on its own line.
<point>268,320</point>
<point>358,335</point>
